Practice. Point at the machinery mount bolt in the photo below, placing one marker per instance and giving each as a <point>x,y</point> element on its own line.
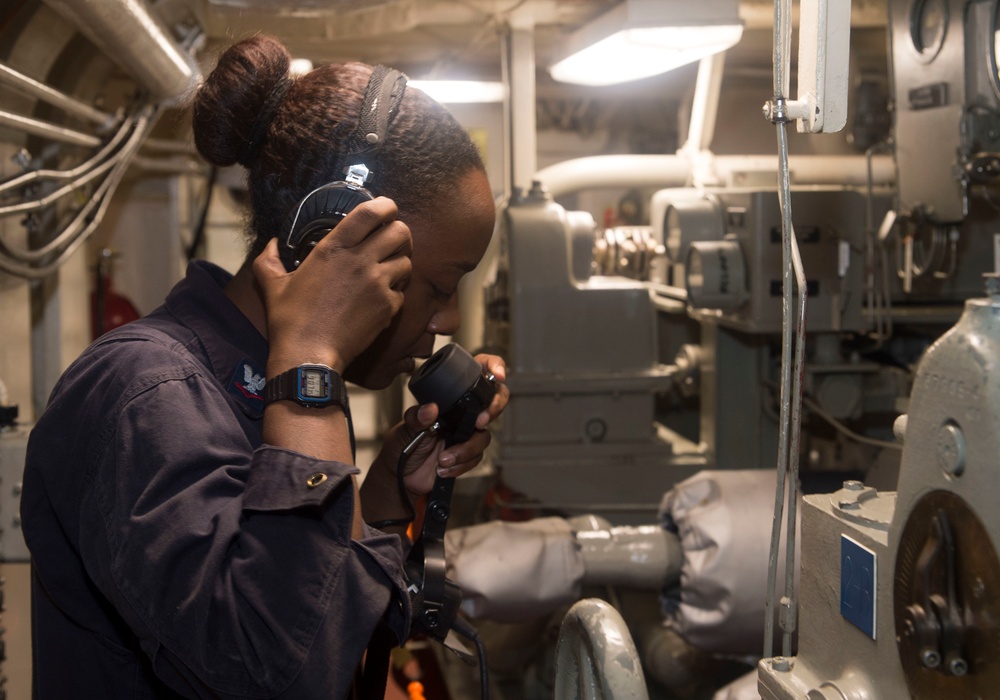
<point>930,658</point>
<point>958,667</point>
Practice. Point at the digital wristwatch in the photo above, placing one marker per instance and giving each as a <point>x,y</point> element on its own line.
<point>312,386</point>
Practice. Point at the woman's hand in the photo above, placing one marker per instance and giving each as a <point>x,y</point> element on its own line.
<point>431,458</point>
<point>341,296</point>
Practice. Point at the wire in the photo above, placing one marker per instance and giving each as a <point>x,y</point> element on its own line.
<point>68,234</point>
<point>793,328</point>
<point>28,178</point>
<point>814,406</point>
<point>840,427</point>
<point>472,634</point>
<point>401,484</point>
<point>878,301</point>
<point>17,261</point>
<point>199,232</point>
<point>42,202</point>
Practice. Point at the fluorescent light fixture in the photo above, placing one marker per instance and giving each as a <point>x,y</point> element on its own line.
<point>642,38</point>
<point>460,91</point>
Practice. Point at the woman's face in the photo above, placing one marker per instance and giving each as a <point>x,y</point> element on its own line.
<point>447,243</point>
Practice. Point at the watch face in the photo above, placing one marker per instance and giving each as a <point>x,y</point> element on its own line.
<point>314,383</point>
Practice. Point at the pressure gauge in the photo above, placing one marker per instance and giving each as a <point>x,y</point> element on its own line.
<point>715,275</point>
<point>928,26</point>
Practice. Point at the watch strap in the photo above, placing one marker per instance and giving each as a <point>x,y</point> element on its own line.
<point>288,386</point>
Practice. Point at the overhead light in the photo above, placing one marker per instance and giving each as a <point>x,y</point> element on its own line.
<point>300,66</point>
<point>642,38</point>
<point>459,91</point>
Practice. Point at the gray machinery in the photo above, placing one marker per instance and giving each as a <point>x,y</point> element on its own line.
<point>946,93</point>
<point>584,369</point>
<point>597,325</point>
<point>898,594</point>
<point>945,84</point>
<point>724,252</point>
<point>899,590</point>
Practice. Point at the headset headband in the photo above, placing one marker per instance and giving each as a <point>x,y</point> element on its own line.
<point>382,99</point>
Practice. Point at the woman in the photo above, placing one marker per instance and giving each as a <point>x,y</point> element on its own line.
<point>190,538</point>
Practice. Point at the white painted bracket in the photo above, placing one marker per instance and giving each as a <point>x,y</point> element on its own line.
<point>824,58</point>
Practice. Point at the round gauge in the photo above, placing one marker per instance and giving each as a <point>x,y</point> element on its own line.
<point>689,219</point>
<point>715,275</point>
<point>928,26</point>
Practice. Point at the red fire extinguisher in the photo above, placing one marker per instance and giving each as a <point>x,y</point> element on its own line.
<point>108,309</point>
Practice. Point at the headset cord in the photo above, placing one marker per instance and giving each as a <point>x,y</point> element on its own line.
<point>459,625</point>
<point>465,629</point>
<point>400,485</point>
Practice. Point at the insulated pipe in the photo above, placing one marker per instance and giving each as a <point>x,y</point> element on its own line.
<point>676,170</point>
<point>129,34</point>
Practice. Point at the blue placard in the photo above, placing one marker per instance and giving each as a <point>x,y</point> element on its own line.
<point>857,585</point>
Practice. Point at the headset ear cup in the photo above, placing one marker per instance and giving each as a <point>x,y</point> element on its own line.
<point>316,216</point>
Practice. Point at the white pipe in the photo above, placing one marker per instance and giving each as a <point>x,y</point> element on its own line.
<point>705,105</point>
<point>32,87</point>
<point>37,127</point>
<point>521,100</point>
<point>645,557</point>
<point>625,171</point>
<point>137,41</point>
<point>676,170</point>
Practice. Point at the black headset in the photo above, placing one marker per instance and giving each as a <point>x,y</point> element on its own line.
<point>326,206</point>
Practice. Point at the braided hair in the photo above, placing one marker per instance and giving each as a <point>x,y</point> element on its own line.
<point>291,134</point>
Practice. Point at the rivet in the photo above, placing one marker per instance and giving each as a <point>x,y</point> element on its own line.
<point>371,138</point>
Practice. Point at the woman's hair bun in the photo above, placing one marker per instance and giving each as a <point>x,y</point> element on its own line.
<point>232,110</point>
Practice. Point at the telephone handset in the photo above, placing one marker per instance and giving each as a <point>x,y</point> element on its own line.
<point>453,380</point>
<point>326,206</point>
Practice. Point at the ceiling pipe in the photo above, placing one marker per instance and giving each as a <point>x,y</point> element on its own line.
<point>677,170</point>
<point>140,44</point>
